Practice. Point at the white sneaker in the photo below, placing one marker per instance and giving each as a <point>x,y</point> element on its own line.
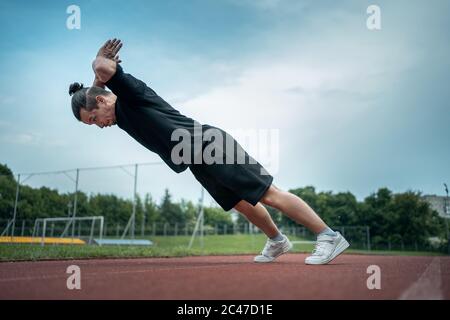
<point>273,249</point>
<point>327,248</point>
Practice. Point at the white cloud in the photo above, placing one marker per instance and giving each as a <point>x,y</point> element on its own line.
<point>6,100</point>
<point>31,139</point>
<point>319,91</point>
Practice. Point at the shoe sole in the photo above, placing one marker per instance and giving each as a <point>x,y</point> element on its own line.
<point>337,251</point>
<point>285,250</point>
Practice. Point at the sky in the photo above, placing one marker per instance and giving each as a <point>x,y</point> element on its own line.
<point>350,109</point>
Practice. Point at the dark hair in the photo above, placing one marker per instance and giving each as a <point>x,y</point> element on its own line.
<point>84,97</point>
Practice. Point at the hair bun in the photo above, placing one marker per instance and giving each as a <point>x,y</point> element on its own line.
<point>74,87</point>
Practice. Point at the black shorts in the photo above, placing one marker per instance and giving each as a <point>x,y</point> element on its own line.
<point>230,183</point>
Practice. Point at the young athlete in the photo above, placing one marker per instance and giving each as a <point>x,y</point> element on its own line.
<point>244,186</point>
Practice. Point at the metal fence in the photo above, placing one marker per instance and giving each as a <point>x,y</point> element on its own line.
<point>358,236</point>
<point>95,180</point>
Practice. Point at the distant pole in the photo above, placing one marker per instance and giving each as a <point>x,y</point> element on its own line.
<point>199,223</point>
<point>69,209</point>
<point>446,217</point>
<point>15,206</point>
<point>202,226</point>
<point>75,201</point>
<point>133,221</point>
<point>143,223</point>
<point>368,238</point>
<point>23,228</point>
<point>43,232</point>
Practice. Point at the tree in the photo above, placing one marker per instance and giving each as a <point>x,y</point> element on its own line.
<point>170,212</point>
<point>401,218</point>
<point>151,209</point>
<point>413,219</point>
<point>217,216</point>
<point>189,210</point>
<point>376,213</point>
<point>6,172</point>
<point>7,196</point>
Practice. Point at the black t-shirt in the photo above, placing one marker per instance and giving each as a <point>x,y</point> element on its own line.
<point>149,119</point>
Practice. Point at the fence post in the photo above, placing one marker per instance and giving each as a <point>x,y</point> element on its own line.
<point>15,206</point>
<point>176,229</point>
<point>154,229</point>
<point>165,228</point>
<point>43,232</point>
<point>118,231</point>
<point>23,228</point>
<point>143,226</point>
<point>225,229</point>
<point>368,238</point>
<point>186,231</point>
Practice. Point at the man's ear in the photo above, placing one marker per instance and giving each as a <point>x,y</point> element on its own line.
<point>100,99</point>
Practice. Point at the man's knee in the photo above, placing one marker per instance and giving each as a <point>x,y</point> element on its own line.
<point>241,206</point>
<point>271,197</point>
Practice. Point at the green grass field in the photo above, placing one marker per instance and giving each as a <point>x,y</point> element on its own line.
<point>169,246</point>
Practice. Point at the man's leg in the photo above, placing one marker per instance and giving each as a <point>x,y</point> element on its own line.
<point>259,216</point>
<point>277,244</point>
<point>329,244</point>
<point>294,207</point>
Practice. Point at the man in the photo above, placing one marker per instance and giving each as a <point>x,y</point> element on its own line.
<point>244,186</point>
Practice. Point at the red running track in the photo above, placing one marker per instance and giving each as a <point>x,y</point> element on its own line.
<point>229,277</point>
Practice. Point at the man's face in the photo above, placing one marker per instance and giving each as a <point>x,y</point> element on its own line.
<point>103,116</point>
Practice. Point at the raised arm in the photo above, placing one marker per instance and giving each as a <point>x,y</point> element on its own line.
<point>109,73</point>
<point>98,83</point>
<point>106,61</point>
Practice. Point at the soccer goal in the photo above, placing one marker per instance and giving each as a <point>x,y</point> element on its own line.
<point>69,228</point>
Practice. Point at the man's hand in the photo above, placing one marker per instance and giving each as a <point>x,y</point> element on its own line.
<point>98,83</point>
<point>110,49</point>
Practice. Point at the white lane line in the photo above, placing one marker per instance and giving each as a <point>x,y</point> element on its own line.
<point>428,286</point>
<point>96,274</point>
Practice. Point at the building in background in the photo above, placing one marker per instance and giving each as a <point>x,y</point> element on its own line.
<point>439,204</point>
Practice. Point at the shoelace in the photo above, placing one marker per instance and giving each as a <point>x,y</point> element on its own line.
<point>268,245</point>
<point>321,246</point>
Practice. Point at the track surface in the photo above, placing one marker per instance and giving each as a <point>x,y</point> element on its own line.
<point>229,277</point>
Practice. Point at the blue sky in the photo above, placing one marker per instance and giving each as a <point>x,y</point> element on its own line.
<point>355,109</point>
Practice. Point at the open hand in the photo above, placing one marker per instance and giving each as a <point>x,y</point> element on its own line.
<point>110,49</point>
